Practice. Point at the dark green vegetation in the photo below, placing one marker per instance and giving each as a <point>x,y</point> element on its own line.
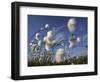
<point>44,61</point>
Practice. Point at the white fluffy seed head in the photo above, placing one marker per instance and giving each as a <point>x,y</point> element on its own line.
<point>49,40</point>
<point>37,36</point>
<point>71,24</point>
<point>59,55</point>
<point>41,29</point>
<point>50,34</point>
<point>33,46</point>
<point>30,44</point>
<point>72,41</point>
<point>47,47</point>
<point>47,25</point>
<point>78,39</point>
<point>39,43</point>
<point>44,39</point>
<point>71,45</point>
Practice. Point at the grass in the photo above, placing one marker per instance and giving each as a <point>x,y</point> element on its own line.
<point>46,61</point>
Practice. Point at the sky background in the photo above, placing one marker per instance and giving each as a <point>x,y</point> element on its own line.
<point>59,23</point>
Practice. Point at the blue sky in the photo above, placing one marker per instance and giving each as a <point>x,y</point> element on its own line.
<point>35,22</point>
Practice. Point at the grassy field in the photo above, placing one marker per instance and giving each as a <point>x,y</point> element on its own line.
<point>47,61</point>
